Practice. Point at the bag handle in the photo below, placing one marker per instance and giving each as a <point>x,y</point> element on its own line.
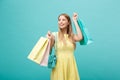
<point>55,46</point>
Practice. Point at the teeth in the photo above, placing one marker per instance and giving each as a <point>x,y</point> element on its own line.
<point>62,24</point>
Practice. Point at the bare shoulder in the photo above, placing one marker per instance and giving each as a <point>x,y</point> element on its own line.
<point>54,33</point>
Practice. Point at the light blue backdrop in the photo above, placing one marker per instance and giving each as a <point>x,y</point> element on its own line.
<point>22,22</point>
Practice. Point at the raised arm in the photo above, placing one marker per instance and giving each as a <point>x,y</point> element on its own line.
<point>77,36</point>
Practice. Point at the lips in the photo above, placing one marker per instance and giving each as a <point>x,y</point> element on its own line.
<point>61,24</point>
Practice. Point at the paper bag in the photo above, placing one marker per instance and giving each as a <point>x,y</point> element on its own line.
<point>87,39</point>
<point>38,52</point>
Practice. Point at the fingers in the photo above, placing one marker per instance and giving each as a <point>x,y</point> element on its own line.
<point>49,35</point>
<point>75,14</point>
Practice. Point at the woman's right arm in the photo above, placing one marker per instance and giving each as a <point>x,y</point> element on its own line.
<point>51,37</point>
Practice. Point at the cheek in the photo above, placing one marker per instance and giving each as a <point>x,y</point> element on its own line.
<point>58,24</point>
<point>66,23</point>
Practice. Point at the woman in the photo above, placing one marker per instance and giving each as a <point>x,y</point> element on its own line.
<point>66,68</point>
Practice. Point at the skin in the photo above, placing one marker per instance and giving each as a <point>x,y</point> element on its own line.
<point>63,23</point>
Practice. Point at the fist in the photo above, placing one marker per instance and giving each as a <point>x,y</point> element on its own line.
<point>75,16</point>
<point>49,35</point>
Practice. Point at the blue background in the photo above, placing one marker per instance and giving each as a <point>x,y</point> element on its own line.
<point>22,22</point>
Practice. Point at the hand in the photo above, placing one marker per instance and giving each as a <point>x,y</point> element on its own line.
<point>75,16</point>
<point>49,35</point>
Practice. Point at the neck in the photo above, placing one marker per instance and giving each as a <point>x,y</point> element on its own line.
<point>64,31</point>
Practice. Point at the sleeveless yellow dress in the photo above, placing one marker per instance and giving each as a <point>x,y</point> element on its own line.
<point>66,67</point>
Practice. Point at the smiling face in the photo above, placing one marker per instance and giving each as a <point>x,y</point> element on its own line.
<point>62,22</point>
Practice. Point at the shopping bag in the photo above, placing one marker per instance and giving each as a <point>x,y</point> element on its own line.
<point>52,59</point>
<point>44,61</point>
<point>37,53</point>
<point>87,39</point>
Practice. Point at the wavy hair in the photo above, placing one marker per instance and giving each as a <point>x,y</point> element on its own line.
<point>69,30</point>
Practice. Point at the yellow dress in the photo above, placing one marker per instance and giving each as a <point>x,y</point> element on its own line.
<point>66,67</point>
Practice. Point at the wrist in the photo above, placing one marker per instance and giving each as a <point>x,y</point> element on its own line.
<point>75,21</point>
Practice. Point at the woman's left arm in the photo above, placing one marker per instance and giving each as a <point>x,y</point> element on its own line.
<point>78,36</point>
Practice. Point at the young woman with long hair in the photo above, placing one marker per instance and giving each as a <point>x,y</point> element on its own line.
<point>66,67</point>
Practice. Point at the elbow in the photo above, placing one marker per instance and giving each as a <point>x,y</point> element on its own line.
<point>79,38</point>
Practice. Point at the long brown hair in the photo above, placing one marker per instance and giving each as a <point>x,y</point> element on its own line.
<point>69,30</point>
